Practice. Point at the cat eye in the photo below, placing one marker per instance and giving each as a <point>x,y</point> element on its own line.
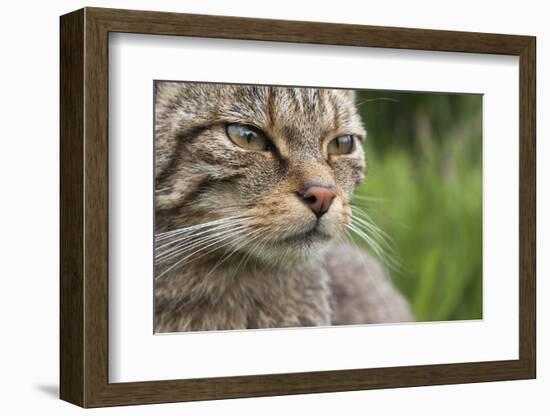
<point>342,145</point>
<point>248,137</point>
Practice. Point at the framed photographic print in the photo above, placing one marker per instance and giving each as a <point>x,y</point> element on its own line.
<point>256,207</point>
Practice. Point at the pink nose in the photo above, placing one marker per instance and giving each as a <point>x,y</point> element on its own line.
<point>318,198</point>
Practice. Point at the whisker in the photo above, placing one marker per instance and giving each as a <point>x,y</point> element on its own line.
<point>261,245</point>
<point>237,238</point>
<point>241,242</point>
<point>370,100</point>
<point>192,254</point>
<point>186,246</point>
<point>205,224</point>
<point>362,258</point>
<point>388,260</point>
<point>218,246</point>
<point>246,257</point>
<point>368,198</point>
<point>367,219</point>
<point>169,234</point>
<point>183,241</point>
<point>372,244</point>
<point>377,232</point>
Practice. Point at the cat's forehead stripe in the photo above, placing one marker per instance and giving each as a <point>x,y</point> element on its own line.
<point>313,110</point>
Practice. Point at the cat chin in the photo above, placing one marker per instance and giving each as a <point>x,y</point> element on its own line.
<point>294,251</point>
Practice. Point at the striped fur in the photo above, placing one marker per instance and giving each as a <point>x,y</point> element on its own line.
<point>262,268</point>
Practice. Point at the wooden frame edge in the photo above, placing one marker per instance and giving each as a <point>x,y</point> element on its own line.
<point>72,367</point>
<point>84,208</point>
<point>528,207</point>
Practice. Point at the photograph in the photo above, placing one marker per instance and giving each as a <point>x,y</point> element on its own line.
<point>298,206</point>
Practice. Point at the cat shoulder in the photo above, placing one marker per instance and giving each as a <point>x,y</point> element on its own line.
<point>361,291</point>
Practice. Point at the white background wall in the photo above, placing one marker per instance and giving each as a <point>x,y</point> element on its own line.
<point>29,209</point>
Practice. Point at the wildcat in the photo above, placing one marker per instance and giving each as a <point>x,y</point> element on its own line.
<point>253,188</point>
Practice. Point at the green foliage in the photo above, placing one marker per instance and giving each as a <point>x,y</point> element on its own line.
<point>424,189</point>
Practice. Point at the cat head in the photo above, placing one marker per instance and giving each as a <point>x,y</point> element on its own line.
<point>270,169</point>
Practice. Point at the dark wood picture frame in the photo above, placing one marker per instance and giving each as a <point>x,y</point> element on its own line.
<point>84,207</point>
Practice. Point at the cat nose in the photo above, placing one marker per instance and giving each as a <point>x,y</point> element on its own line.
<point>318,198</point>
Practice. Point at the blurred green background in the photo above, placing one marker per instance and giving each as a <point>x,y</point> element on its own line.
<point>424,189</point>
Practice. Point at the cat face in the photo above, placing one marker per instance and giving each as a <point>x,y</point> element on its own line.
<point>275,166</point>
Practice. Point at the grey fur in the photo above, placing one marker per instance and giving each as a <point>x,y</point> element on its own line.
<point>278,277</point>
